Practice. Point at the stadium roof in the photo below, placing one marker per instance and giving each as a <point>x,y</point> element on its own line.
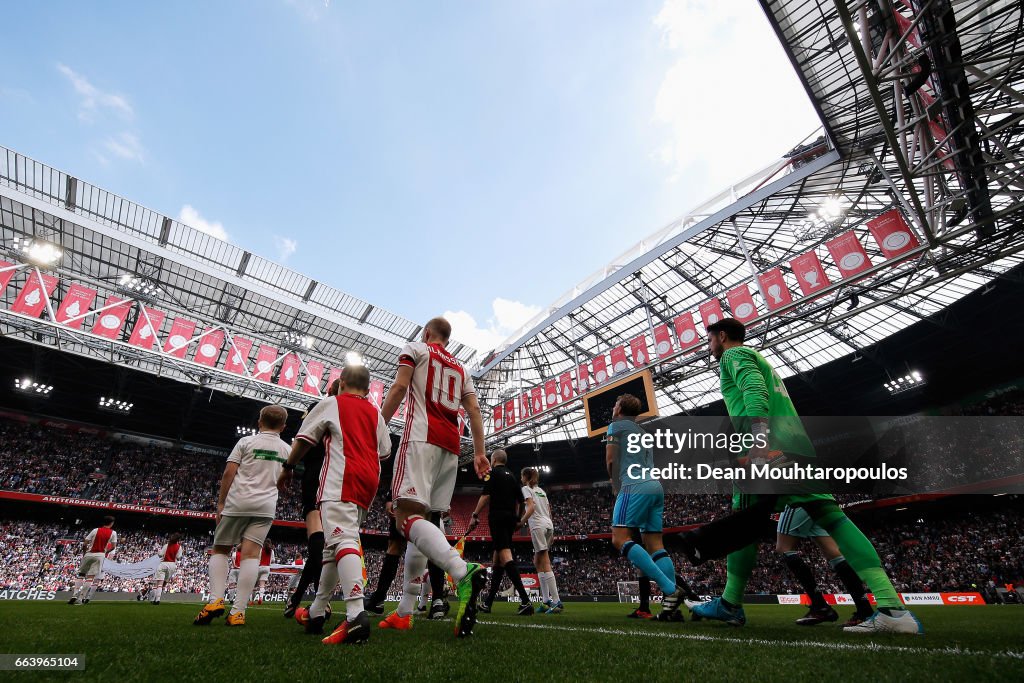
<point>903,130</point>
<point>121,249</point>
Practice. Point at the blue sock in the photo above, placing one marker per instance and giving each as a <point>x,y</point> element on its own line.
<point>641,560</point>
<point>664,563</point>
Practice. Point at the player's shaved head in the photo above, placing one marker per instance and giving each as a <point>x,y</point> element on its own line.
<point>108,521</point>
<point>356,377</point>
<point>273,418</point>
<point>499,457</point>
<point>438,329</point>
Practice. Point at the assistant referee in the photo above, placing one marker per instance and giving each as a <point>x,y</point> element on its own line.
<point>507,512</point>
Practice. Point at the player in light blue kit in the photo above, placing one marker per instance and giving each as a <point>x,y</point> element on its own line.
<point>639,504</point>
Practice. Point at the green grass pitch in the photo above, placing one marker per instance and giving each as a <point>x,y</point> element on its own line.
<point>126,641</point>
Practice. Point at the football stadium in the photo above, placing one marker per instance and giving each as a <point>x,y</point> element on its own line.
<point>779,438</point>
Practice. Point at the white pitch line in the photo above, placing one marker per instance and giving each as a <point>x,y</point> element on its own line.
<point>764,642</point>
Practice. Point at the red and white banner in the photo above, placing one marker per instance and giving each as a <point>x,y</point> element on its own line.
<point>265,358</point>
<point>179,336</point>
<point>33,297</point>
<point>962,599</point>
<point>773,286</point>
<point>376,394</point>
<point>524,406</point>
<point>315,372</point>
<point>510,412</point>
<point>892,233</point>
<point>809,273</point>
<point>741,303</point>
<point>550,393</point>
<point>209,346</point>
<point>619,364</point>
<point>335,373</point>
<point>600,366</point>
<point>711,312</point>
<point>238,355</point>
<point>565,385</point>
<point>145,331</point>
<point>686,331</point>
<point>289,375</point>
<point>582,378</point>
<point>536,399</point>
<point>638,351</point>
<point>498,424</point>
<point>848,254</point>
<point>7,271</point>
<point>75,305</point>
<point>662,341</point>
<point>110,321</point>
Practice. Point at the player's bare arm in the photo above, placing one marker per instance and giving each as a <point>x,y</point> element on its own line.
<point>476,428</point>
<point>528,512</point>
<point>230,470</point>
<point>484,501</point>
<point>397,392</point>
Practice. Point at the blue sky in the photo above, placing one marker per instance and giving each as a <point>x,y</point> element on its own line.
<point>474,158</point>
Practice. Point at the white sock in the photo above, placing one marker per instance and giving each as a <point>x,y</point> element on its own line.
<point>552,587</point>
<point>156,593</point>
<point>424,597</point>
<point>218,576</point>
<point>328,582</point>
<point>90,590</point>
<point>544,595</point>
<point>415,565</point>
<point>78,588</point>
<point>247,574</point>
<point>431,542</point>
<point>350,569</point>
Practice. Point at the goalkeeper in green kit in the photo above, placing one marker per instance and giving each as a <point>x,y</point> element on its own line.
<point>758,404</point>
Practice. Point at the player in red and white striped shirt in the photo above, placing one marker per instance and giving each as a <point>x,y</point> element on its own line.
<point>435,385</point>
<point>97,545</point>
<point>355,439</point>
<point>169,555</point>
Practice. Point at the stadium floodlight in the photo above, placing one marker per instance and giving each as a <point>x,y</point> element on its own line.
<point>244,431</point>
<point>116,405</point>
<point>37,252</point>
<point>298,341</point>
<point>544,468</point>
<point>353,358</point>
<point>30,386</point>
<point>912,380</point>
<point>137,286</point>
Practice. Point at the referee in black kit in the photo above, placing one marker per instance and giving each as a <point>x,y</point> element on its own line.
<point>312,462</point>
<point>508,511</point>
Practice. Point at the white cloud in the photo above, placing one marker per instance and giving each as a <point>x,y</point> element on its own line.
<point>189,216</point>
<point>285,247</point>
<point>507,317</point>
<point>92,99</point>
<point>125,146</point>
<point>731,101</point>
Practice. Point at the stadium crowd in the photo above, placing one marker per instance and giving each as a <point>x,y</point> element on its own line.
<point>946,554</point>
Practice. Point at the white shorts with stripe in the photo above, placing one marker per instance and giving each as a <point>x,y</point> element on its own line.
<point>92,565</point>
<point>165,572</point>
<point>341,525</point>
<point>424,473</point>
<point>542,537</point>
